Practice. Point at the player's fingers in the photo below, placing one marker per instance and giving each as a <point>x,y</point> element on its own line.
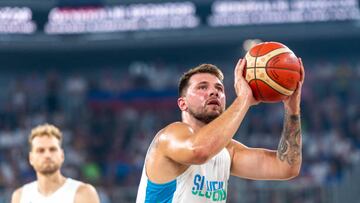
<point>298,87</point>
<point>302,70</point>
<point>237,67</point>
<point>239,62</point>
<point>239,70</point>
<point>242,66</point>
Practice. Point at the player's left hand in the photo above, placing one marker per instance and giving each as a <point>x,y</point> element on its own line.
<point>292,103</point>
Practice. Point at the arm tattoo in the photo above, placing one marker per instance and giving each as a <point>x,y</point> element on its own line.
<point>289,148</point>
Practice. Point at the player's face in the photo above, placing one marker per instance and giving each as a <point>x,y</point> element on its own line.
<point>205,97</point>
<point>46,155</point>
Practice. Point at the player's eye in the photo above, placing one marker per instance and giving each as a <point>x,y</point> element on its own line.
<point>219,88</point>
<point>203,87</point>
<point>40,150</point>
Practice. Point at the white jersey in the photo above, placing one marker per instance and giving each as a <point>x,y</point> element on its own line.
<point>65,194</point>
<point>198,184</point>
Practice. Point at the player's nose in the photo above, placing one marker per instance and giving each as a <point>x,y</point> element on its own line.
<point>214,92</point>
<point>47,153</point>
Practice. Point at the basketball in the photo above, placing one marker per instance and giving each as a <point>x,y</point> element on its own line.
<point>272,71</point>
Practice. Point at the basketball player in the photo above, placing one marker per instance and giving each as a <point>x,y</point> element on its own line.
<point>46,157</point>
<point>190,161</point>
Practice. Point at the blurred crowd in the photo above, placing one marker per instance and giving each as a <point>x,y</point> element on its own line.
<point>110,115</point>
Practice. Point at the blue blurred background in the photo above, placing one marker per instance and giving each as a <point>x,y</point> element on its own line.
<point>106,73</point>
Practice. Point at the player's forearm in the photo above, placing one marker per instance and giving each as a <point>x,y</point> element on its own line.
<point>289,149</point>
<point>217,134</point>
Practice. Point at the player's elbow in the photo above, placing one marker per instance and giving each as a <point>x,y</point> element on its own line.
<point>293,173</point>
<point>200,156</point>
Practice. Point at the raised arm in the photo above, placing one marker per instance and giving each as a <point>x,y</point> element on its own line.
<point>181,144</point>
<point>264,164</point>
<point>285,163</point>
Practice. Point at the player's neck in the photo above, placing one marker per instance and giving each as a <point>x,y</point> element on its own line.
<point>193,122</point>
<point>48,184</point>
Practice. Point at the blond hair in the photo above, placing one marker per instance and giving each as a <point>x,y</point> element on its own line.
<point>45,130</point>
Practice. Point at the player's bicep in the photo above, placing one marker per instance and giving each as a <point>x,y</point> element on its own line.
<point>255,163</point>
<point>176,143</point>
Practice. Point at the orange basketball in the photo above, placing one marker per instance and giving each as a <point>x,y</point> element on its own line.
<point>272,71</point>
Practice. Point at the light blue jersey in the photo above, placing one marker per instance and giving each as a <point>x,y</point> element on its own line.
<point>198,184</point>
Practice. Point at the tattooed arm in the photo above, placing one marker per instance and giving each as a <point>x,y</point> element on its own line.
<point>263,164</point>
<point>289,149</point>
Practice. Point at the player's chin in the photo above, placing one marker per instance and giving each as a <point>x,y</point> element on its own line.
<point>214,113</point>
<point>215,110</point>
<point>48,171</point>
<point>49,168</point>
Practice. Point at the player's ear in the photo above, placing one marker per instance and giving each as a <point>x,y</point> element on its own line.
<point>30,158</point>
<point>62,154</point>
<point>182,103</point>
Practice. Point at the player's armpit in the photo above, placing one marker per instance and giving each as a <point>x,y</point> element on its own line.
<point>86,193</point>
<point>258,164</point>
<point>15,198</point>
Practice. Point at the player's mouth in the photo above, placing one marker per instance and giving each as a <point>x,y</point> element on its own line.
<point>213,102</point>
<point>48,161</point>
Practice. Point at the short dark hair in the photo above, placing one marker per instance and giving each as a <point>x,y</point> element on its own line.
<point>203,68</point>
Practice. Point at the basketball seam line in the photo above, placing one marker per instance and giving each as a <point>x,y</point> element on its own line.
<point>269,68</point>
<point>279,68</point>
<point>267,84</point>
<point>257,86</point>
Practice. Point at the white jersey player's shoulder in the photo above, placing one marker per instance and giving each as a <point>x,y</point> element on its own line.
<point>72,191</point>
<point>15,198</point>
<point>86,193</point>
<point>19,193</point>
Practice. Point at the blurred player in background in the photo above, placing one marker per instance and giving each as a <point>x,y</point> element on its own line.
<point>46,157</point>
<point>191,161</point>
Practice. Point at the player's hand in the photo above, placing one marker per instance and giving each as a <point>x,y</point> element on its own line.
<point>292,103</point>
<point>242,87</point>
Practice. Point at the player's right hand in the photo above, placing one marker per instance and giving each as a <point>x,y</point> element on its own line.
<point>292,103</point>
<point>241,86</point>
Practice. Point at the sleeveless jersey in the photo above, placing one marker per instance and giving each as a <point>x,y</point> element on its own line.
<point>198,184</point>
<point>65,194</point>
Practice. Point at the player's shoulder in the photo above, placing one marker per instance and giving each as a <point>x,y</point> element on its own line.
<point>177,126</point>
<point>15,198</point>
<point>173,132</point>
<point>86,193</point>
<point>85,188</point>
<point>25,189</point>
<point>176,129</point>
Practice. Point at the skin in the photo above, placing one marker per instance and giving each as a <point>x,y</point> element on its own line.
<point>193,141</point>
<point>47,157</point>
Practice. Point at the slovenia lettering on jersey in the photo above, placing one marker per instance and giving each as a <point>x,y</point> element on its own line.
<point>213,190</point>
